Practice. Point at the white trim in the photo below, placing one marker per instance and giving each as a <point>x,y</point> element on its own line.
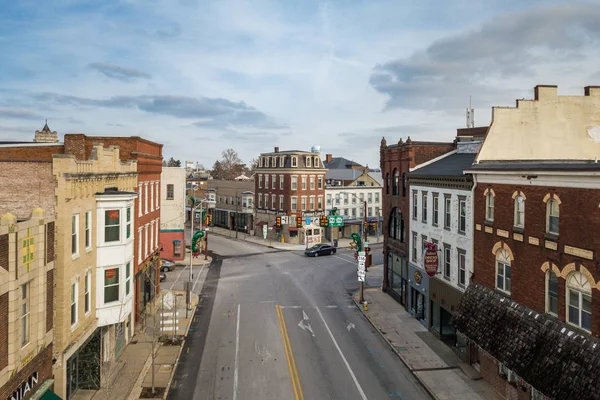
<point>433,160</point>
<point>32,144</point>
<point>584,180</point>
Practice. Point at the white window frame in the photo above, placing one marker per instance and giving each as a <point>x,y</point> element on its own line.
<point>266,181</point>
<point>294,182</point>
<point>319,181</point>
<point>294,162</point>
<point>128,278</point>
<point>146,243</point>
<point>151,196</point>
<point>414,239</point>
<point>281,204</point>
<point>157,198</point>
<point>156,231</point>
<point>462,267</point>
<point>447,261</point>
<point>118,284</point>
<point>369,197</point>
<point>319,202</point>
<point>303,180</point>
<point>489,207</point>
<point>139,237</point>
<point>145,198</point>
<point>519,205</point>
<point>87,298</point>
<point>311,180</point>
<point>260,200</point>
<point>260,181</point>
<point>504,260</point>
<point>140,197</point>
<point>462,216</point>
<point>119,226</point>
<point>152,227</point>
<point>88,230</point>
<point>303,203</point>
<point>128,223</point>
<point>266,201</point>
<point>415,207</point>
<point>549,215</point>
<point>435,220</point>
<point>273,181</point>
<point>73,309</point>
<point>274,202</point>
<point>582,288</point>
<point>308,162</point>
<point>447,212</point>
<point>281,181</point>
<point>25,314</point>
<point>75,235</point>
<point>294,203</point>
<point>311,203</point>
<point>424,207</point>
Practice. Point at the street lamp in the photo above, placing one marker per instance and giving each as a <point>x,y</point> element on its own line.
<point>363,225</point>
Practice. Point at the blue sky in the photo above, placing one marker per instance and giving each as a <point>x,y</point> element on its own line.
<point>202,76</point>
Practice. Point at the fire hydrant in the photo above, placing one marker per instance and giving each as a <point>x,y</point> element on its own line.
<point>365,306</point>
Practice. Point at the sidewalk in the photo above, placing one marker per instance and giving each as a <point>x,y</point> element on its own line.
<point>434,364</point>
<point>343,242</point>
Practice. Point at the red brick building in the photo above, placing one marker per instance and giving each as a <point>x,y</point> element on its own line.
<point>532,316</point>
<point>396,161</point>
<point>292,184</point>
<point>148,155</point>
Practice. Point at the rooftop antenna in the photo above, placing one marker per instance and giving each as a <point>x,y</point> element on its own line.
<point>470,115</point>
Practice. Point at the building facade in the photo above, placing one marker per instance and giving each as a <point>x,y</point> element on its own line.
<point>396,161</point>
<point>234,204</point>
<point>536,276</point>
<point>70,185</point>
<point>348,185</point>
<point>26,304</point>
<point>441,219</point>
<point>148,155</point>
<point>172,213</point>
<point>290,184</point>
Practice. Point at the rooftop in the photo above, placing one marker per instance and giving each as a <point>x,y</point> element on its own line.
<point>450,166</point>
<point>340,163</point>
<point>536,166</point>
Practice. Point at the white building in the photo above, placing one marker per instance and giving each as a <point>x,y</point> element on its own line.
<point>172,213</point>
<point>441,216</point>
<point>114,268</point>
<point>347,186</point>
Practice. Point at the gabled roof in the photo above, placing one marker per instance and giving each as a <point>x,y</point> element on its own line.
<point>450,166</point>
<point>340,163</point>
<point>557,360</point>
<point>343,174</point>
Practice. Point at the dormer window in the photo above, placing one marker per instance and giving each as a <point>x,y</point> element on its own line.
<point>308,161</point>
<point>294,161</point>
<point>316,162</point>
<point>262,162</point>
<point>273,161</point>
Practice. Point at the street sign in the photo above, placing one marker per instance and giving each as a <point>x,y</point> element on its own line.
<point>307,220</point>
<point>361,256</point>
<point>284,219</point>
<point>336,220</point>
<point>361,276</point>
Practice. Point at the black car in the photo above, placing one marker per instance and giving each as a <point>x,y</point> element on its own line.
<point>166,265</point>
<point>320,250</point>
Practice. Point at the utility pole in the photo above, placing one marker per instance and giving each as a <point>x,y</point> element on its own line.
<point>237,214</point>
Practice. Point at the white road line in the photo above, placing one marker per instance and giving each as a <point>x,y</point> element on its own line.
<point>237,355</point>
<point>198,277</point>
<point>178,276</point>
<point>362,393</point>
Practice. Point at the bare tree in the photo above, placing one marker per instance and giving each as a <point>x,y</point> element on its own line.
<point>229,166</point>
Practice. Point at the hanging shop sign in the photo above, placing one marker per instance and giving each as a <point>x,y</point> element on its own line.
<point>430,261</point>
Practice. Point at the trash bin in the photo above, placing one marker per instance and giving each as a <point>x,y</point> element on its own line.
<point>335,242</point>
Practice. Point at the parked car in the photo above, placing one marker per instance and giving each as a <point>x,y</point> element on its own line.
<point>320,249</point>
<point>166,265</point>
<point>163,276</point>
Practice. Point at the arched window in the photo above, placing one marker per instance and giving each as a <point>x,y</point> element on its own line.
<point>392,224</point>
<point>519,211</point>
<point>551,292</point>
<point>396,182</point>
<point>396,225</point>
<point>387,183</point>
<point>403,184</point>
<point>579,301</point>
<point>552,216</point>
<point>503,270</point>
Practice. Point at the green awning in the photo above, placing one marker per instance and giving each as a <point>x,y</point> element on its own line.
<point>43,392</point>
<point>50,395</point>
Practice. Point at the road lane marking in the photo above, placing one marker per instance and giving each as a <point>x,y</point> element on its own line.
<point>360,390</point>
<point>348,261</point>
<point>287,346</point>
<point>237,355</point>
<point>198,277</point>
<point>178,276</point>
<point>304,324</point>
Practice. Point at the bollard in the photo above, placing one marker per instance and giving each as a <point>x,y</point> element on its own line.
<point>365,306</point>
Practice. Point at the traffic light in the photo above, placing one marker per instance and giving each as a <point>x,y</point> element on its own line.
<point>278,222</point>
<point>298,222</point>
<point>324,221</point>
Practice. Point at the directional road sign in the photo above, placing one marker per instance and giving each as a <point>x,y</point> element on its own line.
<point>336,220</point>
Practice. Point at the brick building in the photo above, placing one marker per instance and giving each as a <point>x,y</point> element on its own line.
<point>291,184</point>
<point>172,213</point>
<point>148,155</point>
<point>234,204</point>
<point>532,315</point>
<point>90,194</point>
<point>26,304</point>
<point>396,161</point>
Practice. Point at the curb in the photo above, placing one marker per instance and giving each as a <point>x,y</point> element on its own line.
<point>418,378</point>
<point>180,351</point>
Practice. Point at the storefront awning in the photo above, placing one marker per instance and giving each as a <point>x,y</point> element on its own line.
<point>260,223</point>
<point>292,229</point>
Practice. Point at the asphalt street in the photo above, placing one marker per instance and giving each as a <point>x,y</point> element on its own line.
<point>278,325</point>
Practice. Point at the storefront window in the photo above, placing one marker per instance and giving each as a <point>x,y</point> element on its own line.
<point>435,317</point>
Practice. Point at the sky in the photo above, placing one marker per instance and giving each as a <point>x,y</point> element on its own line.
<point>201,76</point>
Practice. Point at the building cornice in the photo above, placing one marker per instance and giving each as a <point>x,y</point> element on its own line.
<point>460,183</point>
<point>536,178</point>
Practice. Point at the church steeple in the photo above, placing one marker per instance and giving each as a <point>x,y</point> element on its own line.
<point>46,135</point>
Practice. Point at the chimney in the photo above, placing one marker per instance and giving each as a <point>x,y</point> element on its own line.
<point>328,158</point>
<point>545,92</point>
<point>592,90</point>
<point>276,149</point>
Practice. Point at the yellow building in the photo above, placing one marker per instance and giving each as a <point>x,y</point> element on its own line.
<point>26,304</point>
